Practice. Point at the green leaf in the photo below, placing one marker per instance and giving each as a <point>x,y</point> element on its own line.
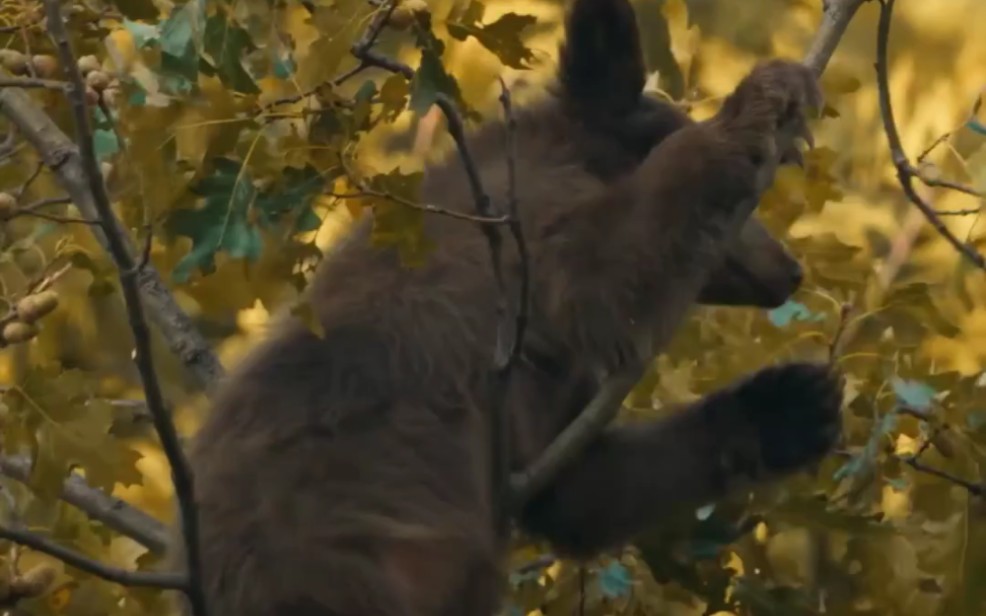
<point>865,460</point>
<point>783,315</point>
<point>614,581</point>
<point>430,79</point>
<point>221,223</point>
<point>284,66</point>
<point>396,224</point>
<point>502,37</point>
<point>292,196</point>
<point>179,41</point>
<point>393,96</point>
<point>914,394</point>
<point>233,211</point>
<point>143,33</point>
<point>227,43</point>
<point>703,513</point>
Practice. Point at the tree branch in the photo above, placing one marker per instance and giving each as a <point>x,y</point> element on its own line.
<point>31,82</point>
<point>606,404</point>
<point>150,579</point>
<point>111,511</point>
<point>906,173</point>
<point>119,248</point>
<point>62,156</point>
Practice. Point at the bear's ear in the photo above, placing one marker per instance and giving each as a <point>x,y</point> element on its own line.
<point>601,64</point>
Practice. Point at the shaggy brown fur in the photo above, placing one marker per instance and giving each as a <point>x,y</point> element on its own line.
<point>349,475</point>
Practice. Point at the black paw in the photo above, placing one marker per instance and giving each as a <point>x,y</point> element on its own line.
<point>795,410</point>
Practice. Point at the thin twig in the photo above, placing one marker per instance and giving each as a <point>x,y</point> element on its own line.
<point>31,82</point>
<point>906,173</point>
<point>914,462</point>
<point>931,148</point>
<point>514,224</point>
<point>33,209</point>
<point>38,168</point>
<point>364,192</point>
<point>148,579</point>
<point>949,184</point>
<point>54,217</point>
<point>509,347</point>
<point>181,473</point>
<point>359,49</point>
<point>963,212</point>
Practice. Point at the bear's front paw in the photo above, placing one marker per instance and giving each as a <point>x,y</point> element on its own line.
<point>795,410</point>
<point>768,112</point>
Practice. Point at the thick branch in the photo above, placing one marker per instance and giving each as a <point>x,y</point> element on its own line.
<point>111,511</point>
<point>119,247</point>
<point>151,579</point>
<point>590,422</point>
<point>836,16</point>
<point>906,172</point>
<point>62,156</point>
<point>607,402</point>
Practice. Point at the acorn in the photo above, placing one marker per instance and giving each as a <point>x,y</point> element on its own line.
<point>8,203</point>
<point>97,80</point>
<point>14,61</point>
<point>34,306</point>
<point>45,66</point>
<point>404,15</point>
<point>17,331</point>
<point>111,96</point>
<point>88,64</point>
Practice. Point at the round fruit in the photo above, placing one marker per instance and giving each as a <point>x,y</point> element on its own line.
<point>33,307</point>
<point>18,331</point>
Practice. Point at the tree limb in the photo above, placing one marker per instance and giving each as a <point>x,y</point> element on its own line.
<point>62,156</point>
<point>151,579</point>
<point>607,403</point>
<point>118,245</point>
<point>906,173</point>
<point>110,510</point>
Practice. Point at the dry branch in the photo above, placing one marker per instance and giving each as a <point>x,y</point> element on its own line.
<point>606,404</point>
<point>151,579</point>
<point>118,245</point>
<point>906,172</point>
<point>109,510</point>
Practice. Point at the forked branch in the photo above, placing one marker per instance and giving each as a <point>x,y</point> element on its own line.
<point>906,172</point>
